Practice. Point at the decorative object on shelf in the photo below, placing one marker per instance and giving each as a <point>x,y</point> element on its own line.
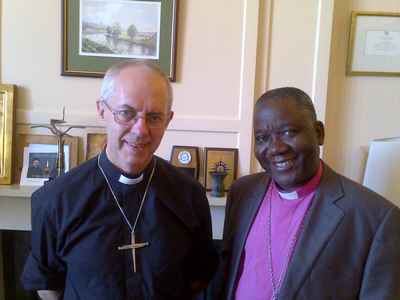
<point>218,174</point>
<point>220,165</point>
<point>54,129</point>
<point>95,140</point>
<point>25,140</point>
<point>187,159</point>
<point>374,44</point>
<point>40,163</point>
<point>97,34</point>
<point>6,132</point>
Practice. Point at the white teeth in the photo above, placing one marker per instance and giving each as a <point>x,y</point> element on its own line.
<point>284,164</point>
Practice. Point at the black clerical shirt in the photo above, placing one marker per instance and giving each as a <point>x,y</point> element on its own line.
<point>77,228</point>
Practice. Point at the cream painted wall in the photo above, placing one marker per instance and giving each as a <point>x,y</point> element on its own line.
<point>293,44</point>
<point>214,92</point>
<point>359,109</point>
<point>300,42</point>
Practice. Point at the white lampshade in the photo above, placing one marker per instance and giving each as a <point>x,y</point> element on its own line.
<point>382,172</point>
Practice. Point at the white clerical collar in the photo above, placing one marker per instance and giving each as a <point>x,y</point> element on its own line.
<point>289,196</point>
<point>130,181</point>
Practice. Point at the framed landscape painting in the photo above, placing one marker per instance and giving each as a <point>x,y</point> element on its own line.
<point>99,33</point>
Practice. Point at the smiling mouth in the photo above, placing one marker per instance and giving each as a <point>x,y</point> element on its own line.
<point>136,146</point>
<point>283,165</point>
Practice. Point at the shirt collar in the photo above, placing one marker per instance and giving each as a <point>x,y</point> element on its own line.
<point>118,176</point>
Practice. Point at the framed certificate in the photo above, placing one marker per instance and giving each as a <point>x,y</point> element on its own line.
<point>374,44</point>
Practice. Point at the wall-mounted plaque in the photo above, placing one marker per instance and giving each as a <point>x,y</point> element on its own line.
<point>186,158</point>
<point>221,161</point>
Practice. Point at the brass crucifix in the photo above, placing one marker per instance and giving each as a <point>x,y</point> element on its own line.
<point>133,246</point>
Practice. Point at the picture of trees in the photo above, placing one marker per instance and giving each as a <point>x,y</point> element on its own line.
<point>120,28</point>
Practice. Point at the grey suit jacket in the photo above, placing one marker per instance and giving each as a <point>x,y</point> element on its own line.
<point>349,247</point>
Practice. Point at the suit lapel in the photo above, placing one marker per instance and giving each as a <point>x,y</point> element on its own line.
<point>319,225</point>
<point>250,203</point>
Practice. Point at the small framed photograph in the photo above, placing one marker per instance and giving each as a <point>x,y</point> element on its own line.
<point>6,132</point>
<point>222,160</point>
<point>95,141</point>
<point>100,33</point>
<point>374,44</point>
<point>187,159</point>
<point>23,148</point>
<point>40,163</point>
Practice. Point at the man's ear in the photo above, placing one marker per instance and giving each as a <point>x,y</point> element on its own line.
<point>100,109</point>
<point>320,131</point>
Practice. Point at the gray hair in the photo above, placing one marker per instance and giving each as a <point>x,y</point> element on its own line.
<point>108,83</point>
<point>301,98</point>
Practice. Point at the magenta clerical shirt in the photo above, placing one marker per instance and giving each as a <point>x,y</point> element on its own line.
<point>254,279</point>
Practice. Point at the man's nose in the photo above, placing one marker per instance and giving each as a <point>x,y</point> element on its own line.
<point>276,145</point>
<point>140,125</point>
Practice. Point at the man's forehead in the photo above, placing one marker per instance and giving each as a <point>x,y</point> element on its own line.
<point>140,79</point>
<point>288,106</point>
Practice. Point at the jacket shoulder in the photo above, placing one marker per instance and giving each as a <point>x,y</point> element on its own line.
<point>364,197</point>
<point>247,181</point>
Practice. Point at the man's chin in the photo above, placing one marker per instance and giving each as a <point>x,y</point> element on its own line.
<point>284,181</point>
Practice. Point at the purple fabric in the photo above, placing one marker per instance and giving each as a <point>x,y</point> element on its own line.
<point>254,278</point>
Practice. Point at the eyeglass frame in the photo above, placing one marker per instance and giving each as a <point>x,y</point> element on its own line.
<point>150,124</point>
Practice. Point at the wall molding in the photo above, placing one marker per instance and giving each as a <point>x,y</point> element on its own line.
<point>90,120</point>
<point>323,38</point>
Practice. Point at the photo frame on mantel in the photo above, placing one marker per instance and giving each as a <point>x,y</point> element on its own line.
<point>7,92</point>
<point>98,34</point>
<point>94,143</point>
<point>24,140</point>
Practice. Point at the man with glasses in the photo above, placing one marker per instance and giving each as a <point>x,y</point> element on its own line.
<point>126,224</point>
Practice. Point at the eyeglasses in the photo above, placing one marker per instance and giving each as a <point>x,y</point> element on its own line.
<point>130,117</point>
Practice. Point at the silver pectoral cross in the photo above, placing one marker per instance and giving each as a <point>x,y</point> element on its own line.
<point>133,246</point>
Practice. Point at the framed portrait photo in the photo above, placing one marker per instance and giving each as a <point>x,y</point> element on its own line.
<point>6,132</point>
<point>100,33</point>
<point>40,162</point>
<point>47,144</point>
<point>374,44</point>
<point>224,160</point>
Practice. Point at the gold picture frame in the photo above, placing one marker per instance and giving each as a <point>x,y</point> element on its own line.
<point>24,140</point>
<point>374,44</point>
<point>95,142</point>
<point>6,132</point>
<point>226,158</point>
